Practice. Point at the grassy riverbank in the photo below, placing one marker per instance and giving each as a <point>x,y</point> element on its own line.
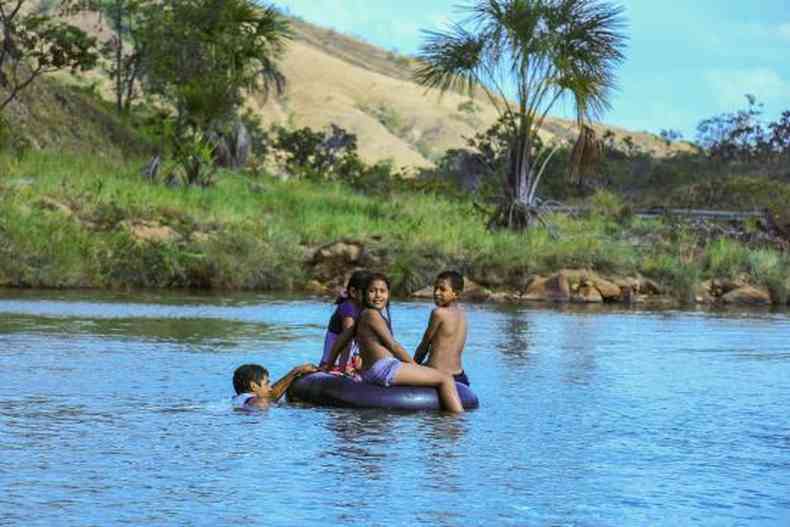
<point>69,220</point>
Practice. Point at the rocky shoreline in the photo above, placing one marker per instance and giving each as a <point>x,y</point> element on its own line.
<point>330,265</point>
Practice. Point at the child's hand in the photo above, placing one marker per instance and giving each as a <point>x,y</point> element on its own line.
<point>356,362</point>
<point>306,368</point>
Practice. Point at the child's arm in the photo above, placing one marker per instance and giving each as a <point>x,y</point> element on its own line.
<point>281,386</point>
<point>379,327</point>
<point>427,337</point>
<point>341,343</point>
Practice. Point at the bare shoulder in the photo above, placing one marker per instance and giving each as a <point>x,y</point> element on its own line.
<point>440,312</point>
<point>369,315</point>
<point>450,313</point>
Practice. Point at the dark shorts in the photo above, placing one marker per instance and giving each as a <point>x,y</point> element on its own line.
<point>461,377</point>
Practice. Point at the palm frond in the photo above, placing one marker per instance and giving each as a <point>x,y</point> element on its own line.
<point>450,60</point>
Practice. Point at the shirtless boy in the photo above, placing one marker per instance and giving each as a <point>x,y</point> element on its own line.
<point>444,339</point>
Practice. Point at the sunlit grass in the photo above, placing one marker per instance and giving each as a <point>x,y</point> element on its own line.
<point>261,229</point>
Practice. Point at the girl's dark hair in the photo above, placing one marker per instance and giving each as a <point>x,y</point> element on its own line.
<point>372,277</point>
<point>358,281</point>
<point>246,374</point>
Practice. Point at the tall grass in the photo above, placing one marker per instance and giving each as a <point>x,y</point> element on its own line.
<point>258,233</point>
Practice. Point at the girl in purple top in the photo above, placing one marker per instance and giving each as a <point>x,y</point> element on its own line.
<point>344,318</point>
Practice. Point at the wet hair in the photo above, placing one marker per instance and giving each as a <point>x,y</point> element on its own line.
<point>358,281</point>
<point>455,278</point>
<point>246,374</point>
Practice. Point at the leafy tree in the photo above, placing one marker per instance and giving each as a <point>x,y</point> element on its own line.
<point>35,42</point>
<point>126,49</point>
<point>203,55</point>
<point>743,136</point>
<point>670,136</point>
<point>320,154</point>
<point>736,136</point>
<point>538,52</point>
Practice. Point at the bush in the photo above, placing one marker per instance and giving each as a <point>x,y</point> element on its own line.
<point>607,204</point>
<point>726,259</point>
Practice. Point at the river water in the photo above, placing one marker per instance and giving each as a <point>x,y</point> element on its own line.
<point>115,410</point>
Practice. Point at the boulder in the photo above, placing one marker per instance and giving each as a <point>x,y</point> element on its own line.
<point>315,287</point>
<point>575,277</point>
<point>150,231</point>
<point>609,291</point>
<point>648,286</point>
<point>490,276</point>
<point>473,291</point>
<point>587,294</point>
<point>629,283</point>
<point>722,286</point>
<point>702,294</point>
<point>553,289</point>
<point>54,205</point>
<point>343,252</point>
<point>425,293</point>
<point>503,298</point>
<point>747,295</point>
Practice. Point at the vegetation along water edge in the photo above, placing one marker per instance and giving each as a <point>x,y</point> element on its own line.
<point>79,221</point>
<point>226,171</point>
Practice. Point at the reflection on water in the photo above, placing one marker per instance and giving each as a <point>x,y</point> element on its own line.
<point>589,416</point>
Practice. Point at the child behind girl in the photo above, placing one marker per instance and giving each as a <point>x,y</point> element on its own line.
<point>385,362</point>
<point>342,321</point>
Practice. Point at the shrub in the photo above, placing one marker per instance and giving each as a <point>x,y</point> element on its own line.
<point>726,259</point>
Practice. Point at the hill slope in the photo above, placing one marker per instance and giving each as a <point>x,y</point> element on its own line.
<point>368,90</point>
<point>333,78</point>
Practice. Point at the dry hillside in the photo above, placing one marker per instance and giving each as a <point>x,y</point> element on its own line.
<point>338,79</point>
<point>333,78</point>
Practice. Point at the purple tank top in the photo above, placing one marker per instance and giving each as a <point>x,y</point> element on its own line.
<point>345,309</point>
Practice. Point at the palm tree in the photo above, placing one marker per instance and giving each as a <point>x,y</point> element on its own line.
<point>525,56</point>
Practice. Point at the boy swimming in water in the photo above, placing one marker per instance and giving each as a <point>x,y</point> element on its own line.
<point>384,361</point>
<point>444,339</point>
<point>251,382</point>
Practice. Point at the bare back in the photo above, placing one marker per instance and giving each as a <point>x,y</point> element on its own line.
<point>446,335</point>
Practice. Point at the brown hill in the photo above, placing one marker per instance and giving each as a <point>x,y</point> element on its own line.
<point>334,78</point>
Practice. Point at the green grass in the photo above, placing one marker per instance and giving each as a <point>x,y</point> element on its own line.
<point>246,233</point>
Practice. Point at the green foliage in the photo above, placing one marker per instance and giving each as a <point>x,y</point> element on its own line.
<point>39,42</point>
<point>229,237</point>
<point>772,270</point>
<point>317,154</point>
<point>202,55</point>
<point>124,53</point>
<point>607,204</point>
<point>540,51</point>
<point>195,157</point>
<point>726,259</point>
<point>741,136</point>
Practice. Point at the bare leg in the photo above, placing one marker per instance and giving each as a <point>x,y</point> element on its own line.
<point>414,375</point>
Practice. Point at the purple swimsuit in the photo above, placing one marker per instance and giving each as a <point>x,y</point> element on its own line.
<point>346,309</point>
<point>382,372</point>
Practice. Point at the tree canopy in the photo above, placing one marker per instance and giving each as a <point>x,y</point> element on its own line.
<point>34,42</point>
<point>202,55</point>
